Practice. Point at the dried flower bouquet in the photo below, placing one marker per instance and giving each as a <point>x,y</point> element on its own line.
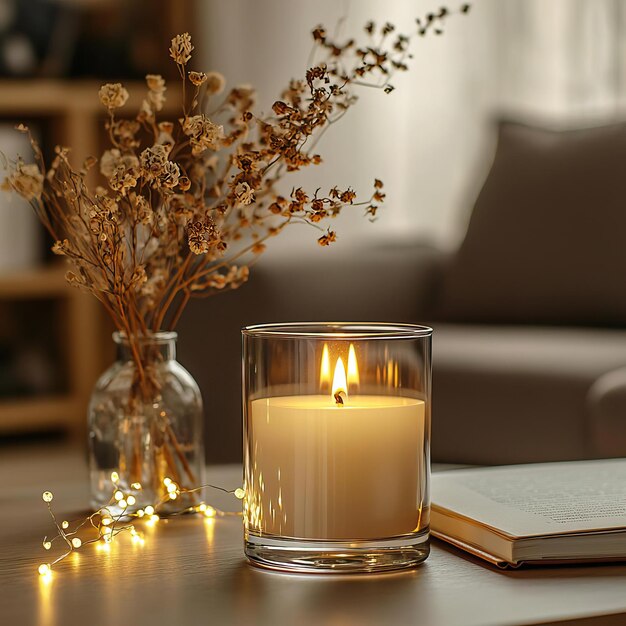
<point>185,206</point>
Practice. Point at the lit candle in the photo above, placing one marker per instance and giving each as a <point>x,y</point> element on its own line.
<point>337,465</point>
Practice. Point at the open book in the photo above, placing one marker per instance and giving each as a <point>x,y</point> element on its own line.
<point>538,513</point>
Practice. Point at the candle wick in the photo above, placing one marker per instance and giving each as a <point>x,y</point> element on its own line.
<point>339,398</point>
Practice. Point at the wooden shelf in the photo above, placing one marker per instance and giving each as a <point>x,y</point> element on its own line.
<point>29,414</point>
<point>49,97</point>
<point>41,282</point>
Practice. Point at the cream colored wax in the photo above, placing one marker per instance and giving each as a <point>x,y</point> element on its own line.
<point>318,470</point>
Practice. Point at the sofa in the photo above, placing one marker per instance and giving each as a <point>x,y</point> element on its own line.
<point>529,349</point>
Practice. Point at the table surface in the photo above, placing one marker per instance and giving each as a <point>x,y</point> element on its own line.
<point>192,570</point>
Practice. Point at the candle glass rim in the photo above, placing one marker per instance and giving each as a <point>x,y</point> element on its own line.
<point>353,331</point>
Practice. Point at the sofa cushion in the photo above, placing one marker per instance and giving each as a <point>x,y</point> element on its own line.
<point>546,239</point>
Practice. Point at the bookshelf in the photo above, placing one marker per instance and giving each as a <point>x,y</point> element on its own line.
<point>72,115</point>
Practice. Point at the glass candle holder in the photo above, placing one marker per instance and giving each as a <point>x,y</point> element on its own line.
<point>336,446</point>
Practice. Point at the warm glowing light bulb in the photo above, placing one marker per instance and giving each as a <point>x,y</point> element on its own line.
<point>239,493</point>
<point>140,513</point>
<point>76,542</point>
<point>106,531</point>
<point>136,486</point>
<point>131,500</point>
<point>353,368</point>
<point>149,510</point>
<point>340,386</point>
<point>202,507</point>
<point>154,518</point>
<point>118,495</point>
<point>47,545</point>
<point>115,477</point>
<point>173,495</point>
<point>106,521</point>
<point>65,524</point>
<point>210,511</point>
<point>44,569</point>
<point>325,367</point>
<point>47,496</point>
<point>167,480</point>
<point>171,487</point>
<point>122,503</point>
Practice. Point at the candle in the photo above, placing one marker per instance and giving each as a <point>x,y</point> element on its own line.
<point>336,446</point>
<point>338,466</point>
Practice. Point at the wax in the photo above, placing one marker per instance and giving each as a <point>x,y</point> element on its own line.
<point>318,470</point>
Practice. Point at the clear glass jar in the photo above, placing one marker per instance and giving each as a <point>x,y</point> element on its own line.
<point>336,446</point>
<point>145,426</point>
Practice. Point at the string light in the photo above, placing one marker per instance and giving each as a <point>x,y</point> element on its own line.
<point>107,525</point>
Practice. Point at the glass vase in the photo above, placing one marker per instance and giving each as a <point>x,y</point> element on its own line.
<point>336,446</point>
<point>145,428</point>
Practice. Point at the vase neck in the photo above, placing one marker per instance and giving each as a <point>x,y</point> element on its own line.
<point>155,346</point>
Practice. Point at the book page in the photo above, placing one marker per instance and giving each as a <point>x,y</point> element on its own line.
<point>538,499</point>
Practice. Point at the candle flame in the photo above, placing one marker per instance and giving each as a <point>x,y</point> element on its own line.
<point>353,368</point>
<point>340,385</point>
<point>325,367</point>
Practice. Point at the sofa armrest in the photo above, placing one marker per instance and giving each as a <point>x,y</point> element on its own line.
<point>606,407</point>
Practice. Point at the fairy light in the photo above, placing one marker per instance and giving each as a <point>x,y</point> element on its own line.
<point>108,521</point>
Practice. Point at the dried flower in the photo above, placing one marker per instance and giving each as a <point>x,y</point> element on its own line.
<point>155,99</point>
<point>328,238</point>
<point>244,194</point>
<point>26,180</point>
<point>113,95</point>
<point>197,78</point>
<point>181,48</point>
<point>185,210</point>
<point>204,134</point>
<point>153,161</point>
<point>215,82</point>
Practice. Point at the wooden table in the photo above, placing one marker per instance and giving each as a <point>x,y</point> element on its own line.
<point>192,571</point>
